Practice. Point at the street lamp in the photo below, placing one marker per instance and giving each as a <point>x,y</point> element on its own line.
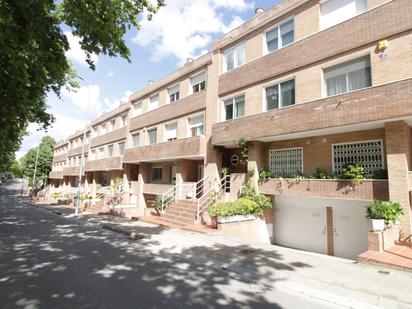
<point>82,154</point>
<point>35,171</point>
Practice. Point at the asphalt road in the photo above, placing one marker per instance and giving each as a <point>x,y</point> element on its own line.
<point>48,261</point>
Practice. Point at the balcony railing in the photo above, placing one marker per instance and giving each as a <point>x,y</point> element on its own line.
<point>56,174</point>
<point>113,163</point>
<point>109,137</point>
<point>379,103</point>
<point>177,149</point>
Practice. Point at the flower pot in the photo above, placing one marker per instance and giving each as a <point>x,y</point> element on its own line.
<point>214,222</point>
<point>376,225</point>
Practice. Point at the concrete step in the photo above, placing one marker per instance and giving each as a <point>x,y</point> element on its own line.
<point>177,219</point>
<point>186,202</point>
<point>180,213</point>
<point>182,208</point>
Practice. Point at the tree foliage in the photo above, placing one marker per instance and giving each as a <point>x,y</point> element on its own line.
<point>32,54</point>
<point>44,162</point>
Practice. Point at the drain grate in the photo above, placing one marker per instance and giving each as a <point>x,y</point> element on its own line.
<point>384,272</point>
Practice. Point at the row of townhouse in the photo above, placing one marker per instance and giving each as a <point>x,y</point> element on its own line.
<point>309,84</point>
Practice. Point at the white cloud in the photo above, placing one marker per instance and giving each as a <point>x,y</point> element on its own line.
<point>110,73</point>
<point>75,52</point>
<point>185,28</point>
<point>112,104</point>
<point>81,96</point>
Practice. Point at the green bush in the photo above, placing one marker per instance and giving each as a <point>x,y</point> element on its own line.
<point>86,197</point>
<point>242,206</point>
<point>265,175</point>
<point>158,201</point>
<point>249,191</point>
<point>322,174</point>
<point>354,172</point>
<point>380,174</point>
<point>389,211</point>
<point>56,195</point>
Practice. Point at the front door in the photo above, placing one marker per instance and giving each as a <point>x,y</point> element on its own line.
<point>173,174</point>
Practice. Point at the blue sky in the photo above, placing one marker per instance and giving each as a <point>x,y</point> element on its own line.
<point>182,29</point>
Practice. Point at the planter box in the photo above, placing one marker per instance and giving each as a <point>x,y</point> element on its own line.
<point>237,218</point>
<point>369,189</point>
<point>376,225</point>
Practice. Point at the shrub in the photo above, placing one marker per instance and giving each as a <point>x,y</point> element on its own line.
<point>265,175</point>
<point>389,211</point>
<point>86,197</point>
<point>249,192</point>
<point>56,195</point>
<point>353,171</point>
<point>380,174</point>
<point>322,174</point>
<point>242,206</point>
<point>158,201</point>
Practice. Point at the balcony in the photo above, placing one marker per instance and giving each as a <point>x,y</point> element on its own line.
<point>60,158</point>
<point>78,151</point>
<point>368,190</point>
<point>187,148</point>
<point>55,175</point>
<point>374,104</point>
<point>110,137</point>
<point>184,106</point>
<point>114,163</point>
<point>72,171</point>
<point>365,29</point>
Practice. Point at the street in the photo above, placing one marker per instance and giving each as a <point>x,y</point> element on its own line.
<point>50,261</point>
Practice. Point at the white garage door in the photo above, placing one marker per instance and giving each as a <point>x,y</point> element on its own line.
<point>301,223</point>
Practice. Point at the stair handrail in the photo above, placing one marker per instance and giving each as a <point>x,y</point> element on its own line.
<point>220,186</point>
<point>168,197</point>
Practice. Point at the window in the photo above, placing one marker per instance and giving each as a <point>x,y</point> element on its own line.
<point>196,126</point>
<point>280,95</point>
<point>234,57</point>
<point>121,148</point>
<point>101,152</point>
<point>336,11</point>
<point>124,120</point>
<point>348,76</point>
<point>93,155</point>
<point>286,162</point>
<point>171,131</point>
<point>198,82</point>
<point>280,36</point>
<point>151,136</point>
<point>368,153</point>
<point>153,102</point>
<point>113,124</point>
<point>110,151</point>
<point>174,93</point>
<point>234,107</point>
<point>137,109</point>
<point>136,140</point>
<point>157,174</point>
<point>103,129</point>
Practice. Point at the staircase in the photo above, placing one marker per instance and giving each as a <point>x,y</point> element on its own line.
<point>181,212</point>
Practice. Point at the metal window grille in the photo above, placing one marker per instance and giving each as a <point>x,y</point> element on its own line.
<point>286,162</point>
<point>367,153</point>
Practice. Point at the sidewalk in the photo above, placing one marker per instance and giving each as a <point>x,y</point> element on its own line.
<point>342,282</point>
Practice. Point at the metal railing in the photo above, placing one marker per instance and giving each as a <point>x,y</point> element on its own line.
<point>212,194</point>
<point>168,197</point>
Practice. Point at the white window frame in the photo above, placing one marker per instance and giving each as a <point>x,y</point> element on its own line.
<point>168,139</point>
<point>124,119</point>
<point>133,140</point>
<point>135,111</point>
<point>175,94</point>
<point>153,174</point>
<point>288,149</point>
<point>190,127</point>
<point>119,148</point>
<point>235,57</point>
<point>151,107</point>
<point>265,103</point>
<point>280,43</point>
<point>193,85</point>
<point>352,59</point>
<point>109,155</point>
<point>323,26</point>
<point>148,136</point>
<point>235,116</point>
<point>358,142</point>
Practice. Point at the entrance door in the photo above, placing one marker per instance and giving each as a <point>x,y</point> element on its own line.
<point>173,174</point>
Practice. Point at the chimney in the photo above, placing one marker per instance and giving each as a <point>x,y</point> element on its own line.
<point>150,81</point>
<point>189,60</point>
<point>259,11</point>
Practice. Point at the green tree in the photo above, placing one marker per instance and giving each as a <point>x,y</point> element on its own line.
<point>44,162</point>
<point>32,54</point>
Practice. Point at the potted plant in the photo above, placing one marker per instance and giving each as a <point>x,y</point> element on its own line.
<point>382,214</point>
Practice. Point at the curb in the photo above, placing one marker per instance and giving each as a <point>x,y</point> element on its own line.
<point>130,234</point>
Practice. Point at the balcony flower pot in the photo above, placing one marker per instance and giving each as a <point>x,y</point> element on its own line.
<point>376,225</point>
<point>214,222</point>
<point>236,218</point>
